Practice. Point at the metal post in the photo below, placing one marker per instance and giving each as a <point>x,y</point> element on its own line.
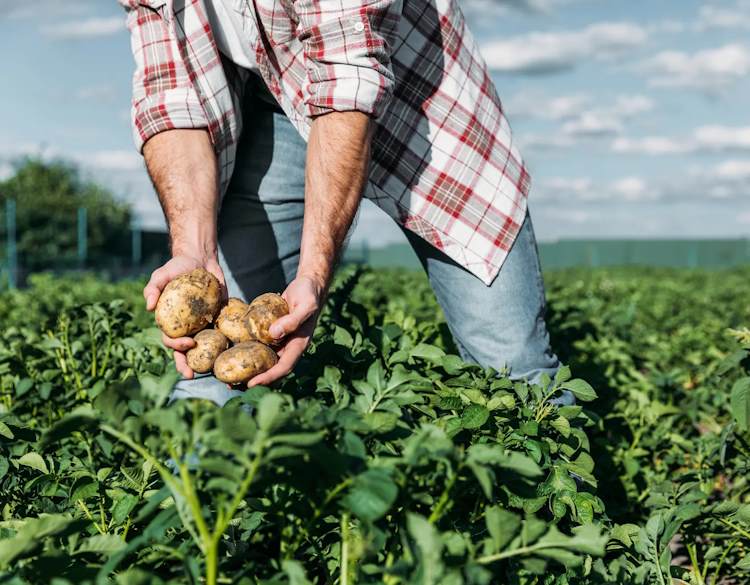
<point>10,245</point>
<point>693,255</point>
<point>82,239</point>
<point>136,245</point>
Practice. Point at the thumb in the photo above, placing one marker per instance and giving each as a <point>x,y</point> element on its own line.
<point>291,322</point>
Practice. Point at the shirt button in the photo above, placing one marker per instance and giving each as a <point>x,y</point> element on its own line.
<point>359,26</point>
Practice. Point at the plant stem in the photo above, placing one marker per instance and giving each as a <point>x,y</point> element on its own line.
<point>696,565</point>
<point>715,580</point>
<point>444,499</point>
<point>733,526</point>
<point>212,561</point>
<point>305,531</point>
<point>344,549</point>
<point>89,515</point>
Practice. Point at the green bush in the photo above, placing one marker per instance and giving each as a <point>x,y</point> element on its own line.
<point>385,458</point>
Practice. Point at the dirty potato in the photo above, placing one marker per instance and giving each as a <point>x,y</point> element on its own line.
<point>188,303</point>
<point>209,343</point>
<point>244,361</point>
<point>232,321</point>
<point>262,312</point>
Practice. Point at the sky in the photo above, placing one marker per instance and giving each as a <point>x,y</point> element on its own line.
<point>632,115</point>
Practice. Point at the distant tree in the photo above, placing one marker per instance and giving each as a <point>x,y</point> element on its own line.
<point>48,195</point>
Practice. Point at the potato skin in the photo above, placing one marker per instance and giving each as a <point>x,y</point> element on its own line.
<point>244,361</point>
<point>263,311</point>
<point>188,303</point>
<point>209,343</point>
<point>232,321</point>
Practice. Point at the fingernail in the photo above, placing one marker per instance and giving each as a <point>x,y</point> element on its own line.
<point>276,331</point>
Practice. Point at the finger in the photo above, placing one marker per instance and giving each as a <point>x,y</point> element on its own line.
<point>159,279</point>
<point>291,354</point>
<point>215,269</point>
<point>293,321</point>
<point>178,343</point>
<point>180,362</point>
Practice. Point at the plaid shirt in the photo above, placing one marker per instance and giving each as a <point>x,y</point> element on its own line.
<point>444,164</point>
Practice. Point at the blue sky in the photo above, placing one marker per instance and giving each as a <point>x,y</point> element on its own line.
<point>632,115</point>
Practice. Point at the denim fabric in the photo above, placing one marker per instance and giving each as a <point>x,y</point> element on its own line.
<point>260,227</point>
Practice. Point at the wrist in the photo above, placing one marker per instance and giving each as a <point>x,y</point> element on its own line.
<point>201,250</point>
<point>319,279</point>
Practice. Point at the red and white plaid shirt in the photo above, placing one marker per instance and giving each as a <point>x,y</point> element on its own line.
<point>444,162</point>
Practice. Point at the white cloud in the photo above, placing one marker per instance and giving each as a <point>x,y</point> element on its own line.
<point>718,138</point>
<point>650,145</point>
<point>573,190</point>
<point>709,70</point>
<point>633,189</point>
<point>733,170</point>
<point>723,17</point>
<point>546,141</point>
<point>86,28</point>
<point>534,105</point>
<point>728,181</point>
<point>43,9</point>
<point>580,118</point>
<point>593,123</point>
<point>703,139</point>
<point>542,52</point>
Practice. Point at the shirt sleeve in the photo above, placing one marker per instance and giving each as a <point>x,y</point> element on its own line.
<point>347,48</point>
<point>164,97</point>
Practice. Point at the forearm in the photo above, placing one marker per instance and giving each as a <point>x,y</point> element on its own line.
<point>182,165</point>
<point>338,158</point>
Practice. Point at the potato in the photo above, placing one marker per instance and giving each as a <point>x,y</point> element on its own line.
<point>188,303</point>
<point>263,311</point>
<point>232,321</point>
<point>243,362</point>
<point>209,343</point>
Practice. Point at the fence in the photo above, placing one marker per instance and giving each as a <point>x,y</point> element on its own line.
<point>595,253</point>
<point>149,249</point>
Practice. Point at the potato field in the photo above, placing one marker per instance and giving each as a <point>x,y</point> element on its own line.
<point>384,459</point>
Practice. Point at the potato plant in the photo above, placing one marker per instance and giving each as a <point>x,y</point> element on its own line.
<point>385,458</point>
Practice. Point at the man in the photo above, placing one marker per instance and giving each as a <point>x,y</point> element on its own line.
<point>263,123</point>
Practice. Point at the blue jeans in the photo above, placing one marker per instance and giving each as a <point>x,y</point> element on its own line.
<point>260,227</point>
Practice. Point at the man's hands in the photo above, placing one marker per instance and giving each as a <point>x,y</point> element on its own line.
<point>182,165</point>
<point>159,279</point>
<point>304,295</point>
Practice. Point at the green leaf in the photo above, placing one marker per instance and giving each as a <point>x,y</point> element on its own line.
<point>269,411</point>
<point>744,564</point>
<point>372,494</point>
<point>379,422</point>
<point>31,532</point>
<point>474,416</point>
<point>740,403</point>
<point>562,425</point>
<point>562,375</point>
<point>503,525</point>
<point>80,419</point>
<point>430,548</point>
<point>342,337</point>
<point>35,461</point>
<point>23,386</point>
<point>101,543</point>
<point>581,389</point>
<point>5,431</point>
<point>427,352</point>
<point>123,507</point>
<point>295,571</point>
